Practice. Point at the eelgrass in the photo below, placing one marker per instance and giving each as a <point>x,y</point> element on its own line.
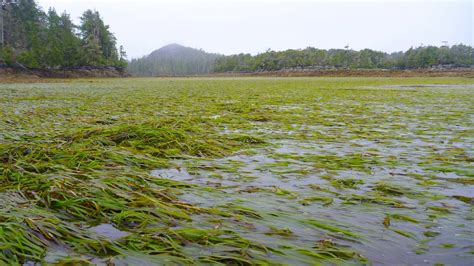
<point>267,159</point>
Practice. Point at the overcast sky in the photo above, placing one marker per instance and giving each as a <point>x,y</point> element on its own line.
<point>229,27</point>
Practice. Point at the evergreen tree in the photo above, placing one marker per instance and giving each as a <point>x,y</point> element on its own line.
<point>37,39</point>
<point>93,29</point>
<point>420,57</point>
<point>92,52</point>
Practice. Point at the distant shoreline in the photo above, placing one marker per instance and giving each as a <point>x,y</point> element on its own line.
<point>428,72</point>
<point>8,74</point>
<point>72,72</point>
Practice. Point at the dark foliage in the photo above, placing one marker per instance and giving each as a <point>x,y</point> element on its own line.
<point>47,40</point>
<point>420,57</point>
<point>173,60</point>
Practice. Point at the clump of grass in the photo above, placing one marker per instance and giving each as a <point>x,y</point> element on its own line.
<point>392,190</point>
<point>350,161</point>
<point>431,233</point>
<point>404,233</point>
<point>246,211</point>
<point>468,200</point>
<point>279,231</point>
<point>448,245</point>
<point>346,183</point>
<point>326,201</point>
<point>326,226</point>
<point>439,209</point>
<point>369,199</point>
<point>18,244</point>
<point>331,250</point>
<point>402,217</point>
<point>159,139</point>
<point>281,191</point>
<point>247,139</point>
<point>462,180</point>
<point>457,171</point>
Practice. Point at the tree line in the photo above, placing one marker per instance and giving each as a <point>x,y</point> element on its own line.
<point>34,38</point>
<point>419,57</point>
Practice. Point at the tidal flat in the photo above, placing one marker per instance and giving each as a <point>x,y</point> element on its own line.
<point>237,171</point>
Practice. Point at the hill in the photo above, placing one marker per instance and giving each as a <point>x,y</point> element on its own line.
<point>173,60</point>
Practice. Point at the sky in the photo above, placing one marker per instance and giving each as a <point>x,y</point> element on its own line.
<point>230,27</point>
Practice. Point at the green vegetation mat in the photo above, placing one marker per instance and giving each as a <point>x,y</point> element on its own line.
<point>247,171</point>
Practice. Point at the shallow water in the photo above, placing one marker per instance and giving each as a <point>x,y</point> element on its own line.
<point>295,179</point>
<point>108,231</point>
<point>249,171</point>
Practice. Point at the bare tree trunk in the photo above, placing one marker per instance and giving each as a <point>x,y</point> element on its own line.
<point>1,24</point>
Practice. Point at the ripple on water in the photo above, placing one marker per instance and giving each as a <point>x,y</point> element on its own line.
<point>108,231</point>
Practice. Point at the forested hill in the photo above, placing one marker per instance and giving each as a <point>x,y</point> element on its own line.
<point>37,39</point>
<point>173,60</point>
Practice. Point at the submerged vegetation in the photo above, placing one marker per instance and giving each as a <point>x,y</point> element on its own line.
<point>237,171</point>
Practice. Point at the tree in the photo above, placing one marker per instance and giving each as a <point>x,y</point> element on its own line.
<point>462,55</point>
<point>419,57</point>
<point>54,51</point>
<point>92,52</point>
<point>1,23</point>
<point>37,39</point>
<point>122,63</point>
<point>93,28</point>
